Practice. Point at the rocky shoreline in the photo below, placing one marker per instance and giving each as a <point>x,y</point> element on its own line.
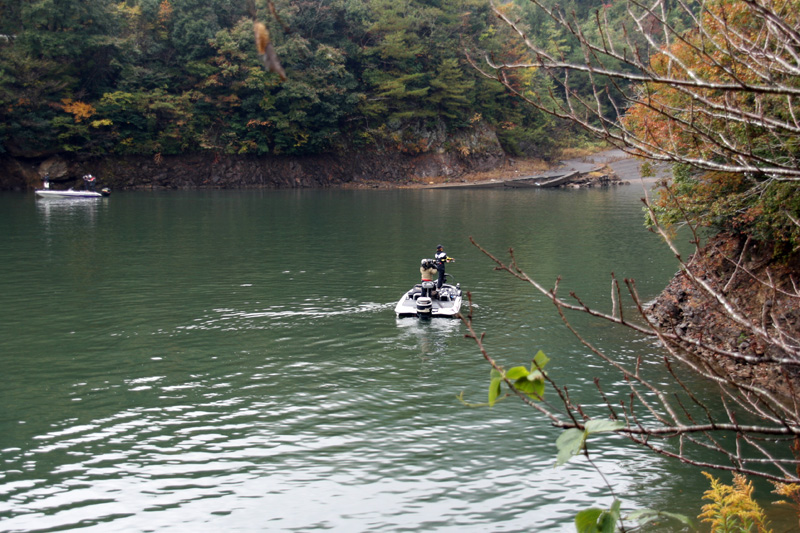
<point>368,169</point>
<point>436,155</point>
<point>210,171</point>
<point>761,288</point>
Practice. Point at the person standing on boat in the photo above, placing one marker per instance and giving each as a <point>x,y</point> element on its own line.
<point>89,181</point>
<point>47,181</point>
<point>439,259</point>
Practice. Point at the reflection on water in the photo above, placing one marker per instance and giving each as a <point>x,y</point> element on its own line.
<point>231,360</point>
<point>51,209</point>
<point>429,337</point>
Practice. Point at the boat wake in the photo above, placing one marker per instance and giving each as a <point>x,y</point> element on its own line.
<point>231,319</point>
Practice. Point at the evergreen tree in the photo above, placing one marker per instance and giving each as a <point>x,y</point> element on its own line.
<point>451,91</point>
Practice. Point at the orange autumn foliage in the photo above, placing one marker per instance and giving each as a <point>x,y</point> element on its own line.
<point>691,119</point>
<point>80,110</point>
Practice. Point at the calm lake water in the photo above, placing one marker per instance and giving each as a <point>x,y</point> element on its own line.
<point>230,360</point>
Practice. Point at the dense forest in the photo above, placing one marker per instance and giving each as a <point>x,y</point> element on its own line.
<point>165,77</point>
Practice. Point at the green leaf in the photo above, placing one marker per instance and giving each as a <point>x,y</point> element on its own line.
<point>615,507</point>
<point>517,372</point>
<point>597,520</point>
<point>586,520</point>
<point>569,444</point>
<point>603,426</point>
<point>534,389</point>
<point>540,360</point>
<point>607,523</point>
<point>494,390</point>
<point>645,516</point>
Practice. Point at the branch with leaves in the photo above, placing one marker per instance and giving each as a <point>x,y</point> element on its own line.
<point>673,425</point>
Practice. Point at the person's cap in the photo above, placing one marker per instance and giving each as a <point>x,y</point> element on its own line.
<point>439,246</point>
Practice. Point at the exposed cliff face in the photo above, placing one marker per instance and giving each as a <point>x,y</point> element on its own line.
<point>478,150</point>
<point>18,174</point>
<point>763,290</point>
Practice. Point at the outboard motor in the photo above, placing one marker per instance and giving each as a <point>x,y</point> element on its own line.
<point>424,301</point>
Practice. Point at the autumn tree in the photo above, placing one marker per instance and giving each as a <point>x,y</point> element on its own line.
<point>718,97</point>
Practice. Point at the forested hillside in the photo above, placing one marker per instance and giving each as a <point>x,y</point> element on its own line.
<point>165,77</point>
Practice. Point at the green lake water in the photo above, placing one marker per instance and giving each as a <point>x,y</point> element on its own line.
<point>230,361</point>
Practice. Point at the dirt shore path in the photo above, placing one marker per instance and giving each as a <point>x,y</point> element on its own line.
<point>625,166</point>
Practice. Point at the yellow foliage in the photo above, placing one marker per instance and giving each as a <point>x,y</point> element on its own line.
<point>301,139</point>
<point>266,51</point>
<point>790,491</point>
<point>131,12</point>
<point>787,490</point>
<point>732,508</point>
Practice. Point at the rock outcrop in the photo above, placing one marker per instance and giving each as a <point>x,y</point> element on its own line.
<point>197,171</point>
<point>761,288</point>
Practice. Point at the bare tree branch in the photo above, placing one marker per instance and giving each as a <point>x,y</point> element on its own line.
<point>672,419</point>
<point>729,78</point>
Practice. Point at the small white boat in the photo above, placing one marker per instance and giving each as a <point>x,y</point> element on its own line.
<point>69,193</point>
<point>425,301</point>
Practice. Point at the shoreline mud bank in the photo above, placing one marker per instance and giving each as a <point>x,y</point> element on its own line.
<point>361,170</point>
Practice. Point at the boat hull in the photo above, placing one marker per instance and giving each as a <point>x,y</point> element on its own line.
<point>51,193</point>
<point>444,303</point>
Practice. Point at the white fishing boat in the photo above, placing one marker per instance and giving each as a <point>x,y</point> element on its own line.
<point>424,300</point>
<point>70,193</point>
